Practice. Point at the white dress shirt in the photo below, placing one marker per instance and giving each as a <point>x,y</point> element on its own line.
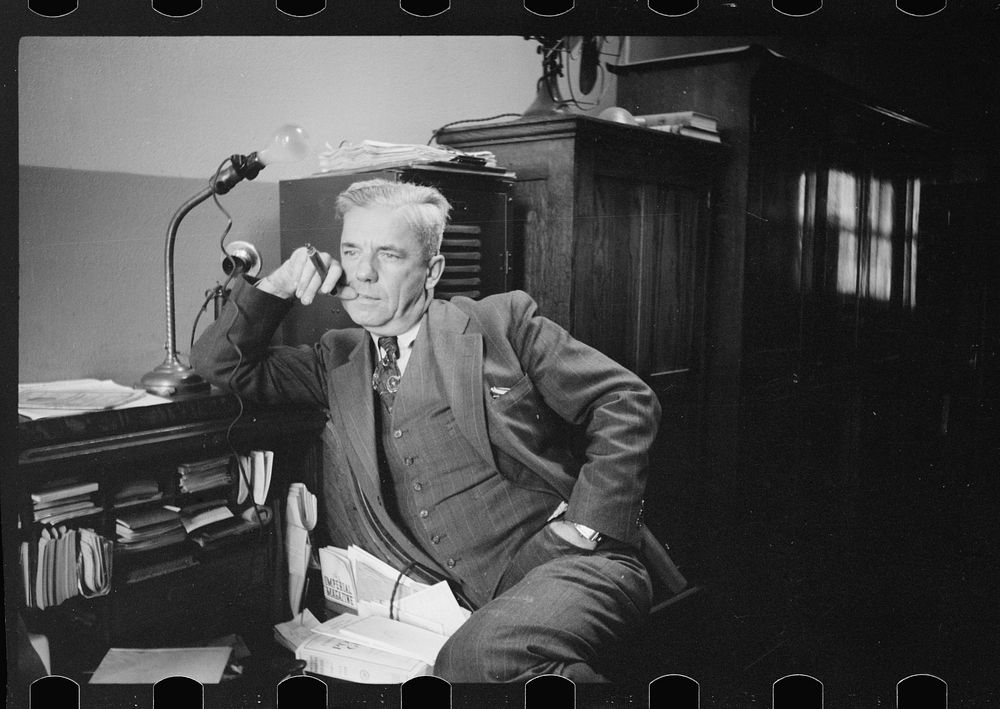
<point>405,342</point>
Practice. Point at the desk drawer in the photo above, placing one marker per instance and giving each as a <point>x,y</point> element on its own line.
<point>217,596</point>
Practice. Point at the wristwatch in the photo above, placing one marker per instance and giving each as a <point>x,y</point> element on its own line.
<point>591,535</point>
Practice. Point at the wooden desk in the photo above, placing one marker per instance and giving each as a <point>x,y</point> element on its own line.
<point>236,589</point>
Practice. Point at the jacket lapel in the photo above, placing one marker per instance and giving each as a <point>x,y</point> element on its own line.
<point>354,404</point>
<point>458,356</point>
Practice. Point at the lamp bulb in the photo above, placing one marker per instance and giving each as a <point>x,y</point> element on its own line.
<point>288,144</point>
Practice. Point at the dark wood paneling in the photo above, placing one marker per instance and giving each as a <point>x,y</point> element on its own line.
<point>607,271</point>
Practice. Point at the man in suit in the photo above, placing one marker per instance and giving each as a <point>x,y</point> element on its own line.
<point>474,441</point>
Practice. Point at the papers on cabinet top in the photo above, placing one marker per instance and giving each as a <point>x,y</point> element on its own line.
<point>376,155</point>
<point>77,396</point>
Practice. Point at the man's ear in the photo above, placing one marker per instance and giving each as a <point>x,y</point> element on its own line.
<point>435,269</point>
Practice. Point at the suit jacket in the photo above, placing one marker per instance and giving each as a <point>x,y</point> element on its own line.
<point>572,420</point>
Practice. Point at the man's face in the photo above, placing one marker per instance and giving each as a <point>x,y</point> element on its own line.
<point>384,262</point>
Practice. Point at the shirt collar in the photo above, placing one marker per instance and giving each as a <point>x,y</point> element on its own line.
<point>404,340</point>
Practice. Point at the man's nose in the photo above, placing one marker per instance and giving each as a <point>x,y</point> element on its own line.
<point>366,269</point>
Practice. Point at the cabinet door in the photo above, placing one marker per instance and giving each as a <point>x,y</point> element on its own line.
<point>640,266</point>
<point>607,267</point>
<point>668,341</point>
<point>639,269</point>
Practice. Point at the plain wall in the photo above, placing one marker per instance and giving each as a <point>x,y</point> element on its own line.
<point>92,300</point>
<point>178,105</point>
<point>116,132</point>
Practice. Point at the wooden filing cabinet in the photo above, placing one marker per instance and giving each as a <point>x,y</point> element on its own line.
<point>617,226</point>
<point>616,231</point>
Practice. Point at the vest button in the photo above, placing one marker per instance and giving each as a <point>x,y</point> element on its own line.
<point>423,514</point>
<point>450,563</point>
<point>418,487</point>
<point>408,461</point>
<point>436,539</point>
<point>397,433</point>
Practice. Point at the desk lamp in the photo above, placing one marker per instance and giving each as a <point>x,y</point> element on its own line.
<point>289,144</point>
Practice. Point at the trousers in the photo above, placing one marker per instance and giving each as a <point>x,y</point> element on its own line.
<point>556,610</point>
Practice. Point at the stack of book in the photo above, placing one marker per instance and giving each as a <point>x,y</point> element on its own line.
<point>212,523</point>
<point>152,541</point>
<point>62,500</point>
<point>136,492</point>
<point>63,563</point>
<point>150,528</point>
<point>689,123</point>
<point>205,474</point>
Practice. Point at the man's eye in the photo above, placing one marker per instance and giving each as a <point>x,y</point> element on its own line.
<point>390,255</point>
<point>348,252</point>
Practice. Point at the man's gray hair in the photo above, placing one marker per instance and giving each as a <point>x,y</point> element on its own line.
<point>424,208</point>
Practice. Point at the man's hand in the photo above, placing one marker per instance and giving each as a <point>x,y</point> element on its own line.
<point>298,277</point>
<point>568,532</point>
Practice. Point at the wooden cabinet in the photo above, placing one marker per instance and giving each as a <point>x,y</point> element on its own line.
<point>614,221</point>
<point>816,268</point>
<point>232,588</point>
<point>813,282</point>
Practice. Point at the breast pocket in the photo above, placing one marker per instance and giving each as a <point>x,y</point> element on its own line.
<point>502,398</point>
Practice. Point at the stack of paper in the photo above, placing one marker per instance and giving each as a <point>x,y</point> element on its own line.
<point>254,474</point>
<point>75,396</point>
<point>205,474</point>
<point>376,155</point>
<point>198,515</point>
<point>148,666</point>
<point>296,631</point>
<point>64,563</point>
<point>64,499</point>
<point>228,529</point>
<point>301,510</point>
<point>94,561</point>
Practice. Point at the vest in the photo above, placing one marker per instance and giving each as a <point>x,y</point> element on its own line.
<point>454,505</point>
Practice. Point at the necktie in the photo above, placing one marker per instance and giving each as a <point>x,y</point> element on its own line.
<point>385,378</point>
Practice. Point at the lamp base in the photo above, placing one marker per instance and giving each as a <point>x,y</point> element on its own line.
<point>544,104</point>
<point>174,379</point>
